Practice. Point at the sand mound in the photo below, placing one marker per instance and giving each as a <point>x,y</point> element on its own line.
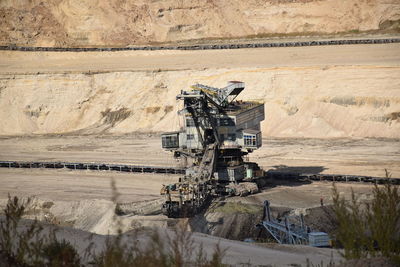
<point>148,207</point>
<point>96,216</point>
<point>113,23</point>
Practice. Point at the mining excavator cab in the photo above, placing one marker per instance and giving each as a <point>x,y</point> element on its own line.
<point>170,140</point>
<point>217,133</point>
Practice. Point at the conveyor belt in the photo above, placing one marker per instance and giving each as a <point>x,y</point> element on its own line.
<point>90,166</point>
<point>171,170</point>
<point>203,46</point>
<point>330,177</point>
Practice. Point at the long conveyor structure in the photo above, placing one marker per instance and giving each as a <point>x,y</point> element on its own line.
<point>91,166</point>
<point>294,176</point>
<point>206,46</point>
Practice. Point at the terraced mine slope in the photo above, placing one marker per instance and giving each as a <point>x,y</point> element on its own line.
<point>120,23</point>
<point>329,109</point>
<point>335,91</point>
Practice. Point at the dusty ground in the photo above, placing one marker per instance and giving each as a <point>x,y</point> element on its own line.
<point>332,156</point>
<point>378,55</point>
<point>86,185</point>
<point>137,149</point>
<point>367,156</point>
<point>82,191</point>
<point>343,156</point>
<point>82,199</point>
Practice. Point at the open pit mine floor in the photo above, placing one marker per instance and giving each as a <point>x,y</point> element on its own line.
<point>362,156</point>
<point>82,199</point>
<point>338,96</point>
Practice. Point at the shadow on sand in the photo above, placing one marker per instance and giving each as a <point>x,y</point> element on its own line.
<point>289,175</point>
<point>297,169</point>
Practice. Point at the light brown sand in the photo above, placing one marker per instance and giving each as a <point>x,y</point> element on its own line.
<point>108,23</point>
<point>361,72</point>
<point>318,92</point>
<point>348,55</point>
<point>332,156</point>
<point>82,199</point>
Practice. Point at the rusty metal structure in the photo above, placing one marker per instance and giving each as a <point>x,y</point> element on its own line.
<point>218,132</point>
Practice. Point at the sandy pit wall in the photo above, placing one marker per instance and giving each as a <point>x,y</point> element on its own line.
<point>112,23</point>
<point>309,101</point>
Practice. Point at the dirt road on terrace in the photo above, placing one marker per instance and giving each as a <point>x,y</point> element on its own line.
<point>332,156</point>
<point>82,199</point>
<point>34,62</point>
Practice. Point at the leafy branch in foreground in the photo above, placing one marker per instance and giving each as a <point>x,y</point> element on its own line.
<point>25,243</point>
<point>369,229</point>
<point>177,249</point>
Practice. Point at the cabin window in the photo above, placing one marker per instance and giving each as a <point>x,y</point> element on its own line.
<point>232,137</point>
<point>190,122</point>
<point>170,141</point>
<point>226,122</point>
<point>250,140</point>
<point>190,137</point>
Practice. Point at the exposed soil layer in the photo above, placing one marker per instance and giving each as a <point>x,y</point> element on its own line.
<point>290,199</point>
<point>338,91</point>
<point>116,23</point>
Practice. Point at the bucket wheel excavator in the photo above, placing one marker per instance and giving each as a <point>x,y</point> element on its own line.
<point>218,133</point>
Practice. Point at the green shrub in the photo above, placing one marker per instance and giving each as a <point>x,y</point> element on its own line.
<point>20,244</point>
<point>370,229</point>
<point>179,250</point>
<point>63,254</point>
<point>24,244</point>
